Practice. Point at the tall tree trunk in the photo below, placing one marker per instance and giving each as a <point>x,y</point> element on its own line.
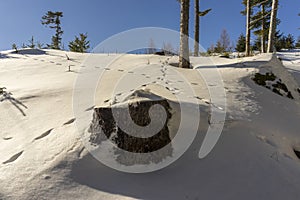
<point>263,24</point>
<point>197,28</point>
<point>273,26</point>
<point>184,60</point>
<point>248,31</point>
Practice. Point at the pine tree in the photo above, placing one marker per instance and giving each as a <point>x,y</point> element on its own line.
<point>248,29</point>
<point>297,45</point>
<point>15,47</point>
<point>290,41</point>
<point>284,42</point>
<point>31,43</point>
<point>184,59</point>
<point>256,46</point>
<point>259,20</point>
<point>198,14</point>
<point>53,20</point>
<point>219,47</point>
<point>279,41</point>
<point>241,44</point>
<point>80,44</point>
<point>211,49</point>
<point>39,45</point>
<point>273,27</point>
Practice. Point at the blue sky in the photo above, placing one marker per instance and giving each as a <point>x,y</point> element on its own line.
<point>103,18</point>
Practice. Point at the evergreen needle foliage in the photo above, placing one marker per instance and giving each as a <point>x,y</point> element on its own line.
<point>53,20</point>
<point>80,44</point>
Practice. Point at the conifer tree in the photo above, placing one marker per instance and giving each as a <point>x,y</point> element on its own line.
<point>184,59</point>
<point>273,27</point>
<point>248,29</point>
<point>241,44</point>
<point>31,43</point>
<point>198,14</point>
<point>53,19</point>
<point>80,44</point>
<point>259,20</point>
<point>297,45</point>
<point>15,47</point>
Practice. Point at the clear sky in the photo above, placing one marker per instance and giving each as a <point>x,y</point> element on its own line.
<point>20,19</point>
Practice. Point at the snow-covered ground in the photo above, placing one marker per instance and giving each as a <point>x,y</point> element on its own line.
<point>42,155</point>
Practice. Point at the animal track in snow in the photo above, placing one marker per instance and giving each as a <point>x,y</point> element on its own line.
<point>69,122</point>
<point>89,109</point>
<point>44,134</point>
<point>13,158</point>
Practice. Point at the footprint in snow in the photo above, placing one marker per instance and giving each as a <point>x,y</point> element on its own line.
<point>7,138</point>
<point>13,158</point>
<point>198,98</point>
<point>44,134</point>
<point>89,109</point>
<point>69,122</point>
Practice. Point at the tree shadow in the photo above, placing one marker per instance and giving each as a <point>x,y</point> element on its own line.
<point>5,56</point>
<point>7,96</point>
<point>31,52</point>
<point>166,183</point>
<point>241,65</point>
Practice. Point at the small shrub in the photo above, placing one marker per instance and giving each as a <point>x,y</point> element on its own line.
<point>226,55</point>
<point>15,47</point>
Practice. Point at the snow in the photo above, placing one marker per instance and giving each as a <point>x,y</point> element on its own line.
<point>42,154</point>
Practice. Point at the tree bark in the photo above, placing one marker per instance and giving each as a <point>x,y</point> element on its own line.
<point>273,26</point>
<point>184,60</point>
<point>197,28</point>
<point>248,31</point>
<point>263,38</point>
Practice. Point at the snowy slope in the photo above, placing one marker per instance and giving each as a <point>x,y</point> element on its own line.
<point>42,155</point>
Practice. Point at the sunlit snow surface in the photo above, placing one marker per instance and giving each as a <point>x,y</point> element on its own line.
<point>42,155</point>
